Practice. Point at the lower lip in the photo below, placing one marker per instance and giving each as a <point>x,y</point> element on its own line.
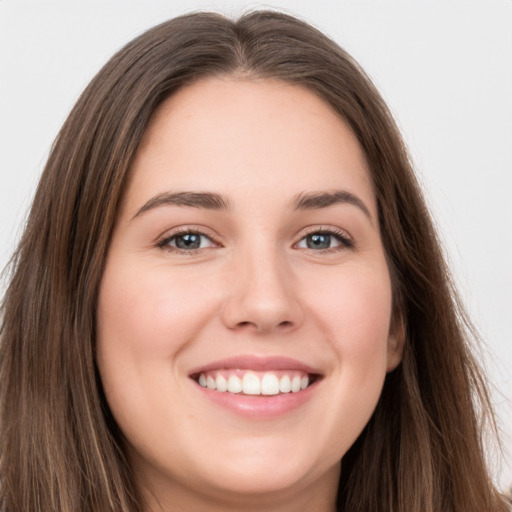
<point>260,406</point>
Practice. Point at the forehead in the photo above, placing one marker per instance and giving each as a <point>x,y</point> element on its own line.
<point>230,133</point>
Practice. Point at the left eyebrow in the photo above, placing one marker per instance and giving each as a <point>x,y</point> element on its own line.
<point>323,199</point>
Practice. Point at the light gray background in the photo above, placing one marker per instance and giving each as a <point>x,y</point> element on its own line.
<point>444,67</point>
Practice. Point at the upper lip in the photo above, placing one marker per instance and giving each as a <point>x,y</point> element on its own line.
<point>257,364</point>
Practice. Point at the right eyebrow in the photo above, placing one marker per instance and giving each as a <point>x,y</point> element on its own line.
<point>206,200</point>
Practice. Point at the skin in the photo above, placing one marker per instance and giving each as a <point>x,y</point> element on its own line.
<point>253,287</point>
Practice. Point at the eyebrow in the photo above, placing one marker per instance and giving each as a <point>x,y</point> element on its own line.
<point>212,201</point>
<point>323,199</point>
<point>206,200</point>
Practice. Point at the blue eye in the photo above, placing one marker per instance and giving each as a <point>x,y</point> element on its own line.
<point>187,241</point>
<point>322,240</point>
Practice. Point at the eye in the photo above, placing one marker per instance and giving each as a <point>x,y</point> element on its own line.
<point>187,241</point>
<point>325,240</point>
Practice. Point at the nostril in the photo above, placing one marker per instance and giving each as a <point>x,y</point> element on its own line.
<point>261,326</point>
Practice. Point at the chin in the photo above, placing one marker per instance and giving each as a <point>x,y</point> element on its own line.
<point>263,475</point>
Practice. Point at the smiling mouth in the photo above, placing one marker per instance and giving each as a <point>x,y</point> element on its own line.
<point>253,383</point>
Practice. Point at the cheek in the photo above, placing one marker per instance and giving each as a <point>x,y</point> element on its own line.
<point>152,314</point>
<point>145,318</point>
<point>144,321</point>
<point>356,305</point>
<point>351,308</point>
<point>354,311</point>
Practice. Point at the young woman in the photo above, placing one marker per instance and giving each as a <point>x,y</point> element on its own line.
<point>230,296</point>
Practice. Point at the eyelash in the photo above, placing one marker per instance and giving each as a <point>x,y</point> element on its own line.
<point>345,242</point>
<point>164,243</point>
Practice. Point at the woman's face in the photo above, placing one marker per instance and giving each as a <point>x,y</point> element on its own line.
<point>245,308</point>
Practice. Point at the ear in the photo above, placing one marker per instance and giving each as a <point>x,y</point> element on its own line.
<point>396,342</point>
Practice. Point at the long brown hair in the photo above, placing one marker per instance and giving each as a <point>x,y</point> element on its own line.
<point>60,447</point>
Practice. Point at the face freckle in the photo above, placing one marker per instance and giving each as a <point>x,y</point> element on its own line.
<point>247,253</point>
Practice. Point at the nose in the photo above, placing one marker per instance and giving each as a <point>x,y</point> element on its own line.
<point>261,294</point>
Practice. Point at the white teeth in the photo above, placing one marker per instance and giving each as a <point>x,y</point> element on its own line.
<point>251,384</point>
<point>210,382</point>
<point>296,384</point>
<point>285,384</point>
<point>234,384</point>
<point>270,384</point>
<point>222,383</point>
